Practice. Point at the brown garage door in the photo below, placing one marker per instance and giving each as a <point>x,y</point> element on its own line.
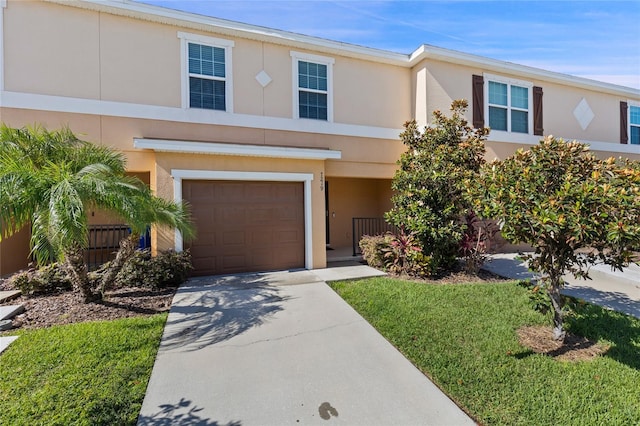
<point>246,226</point>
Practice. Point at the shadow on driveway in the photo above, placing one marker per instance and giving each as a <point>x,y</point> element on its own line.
<point>209,310</point>
<point>180,414</point>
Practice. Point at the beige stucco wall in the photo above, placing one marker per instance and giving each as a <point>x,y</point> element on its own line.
<point>63,58</point>
<point>14,252</point>
<point>139,61</point>
<point>349,198</point>
<point>94,55</point>
<point>440,83</point>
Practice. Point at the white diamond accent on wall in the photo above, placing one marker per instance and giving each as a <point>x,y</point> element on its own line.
<point>583,114</point>
<point>263,78</point>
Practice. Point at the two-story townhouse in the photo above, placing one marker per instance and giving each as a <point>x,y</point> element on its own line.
<point>277,140</point>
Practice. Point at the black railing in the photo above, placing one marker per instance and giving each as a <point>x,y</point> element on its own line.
<point>361,226</point>
<point>104,242</point>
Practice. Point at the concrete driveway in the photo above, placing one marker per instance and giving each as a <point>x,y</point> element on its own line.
<point>283,348</point>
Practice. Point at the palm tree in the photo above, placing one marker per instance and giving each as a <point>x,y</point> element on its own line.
<point>49,180</point>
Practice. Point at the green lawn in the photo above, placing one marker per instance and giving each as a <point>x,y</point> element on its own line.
<point>463,337</point>
<point>82,374</point>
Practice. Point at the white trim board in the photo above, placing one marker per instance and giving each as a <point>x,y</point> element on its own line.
<point>213,148</point>
<point>497,136</point>
<point>180,174</point>
<point>188,115</point>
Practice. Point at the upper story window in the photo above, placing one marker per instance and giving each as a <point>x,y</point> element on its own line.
<point>634,125</point>
<point>312,86</point>
<point>206,72</point>
<point>509,106</point>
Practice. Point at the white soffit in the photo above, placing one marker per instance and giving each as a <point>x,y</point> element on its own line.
<point>213,148</point>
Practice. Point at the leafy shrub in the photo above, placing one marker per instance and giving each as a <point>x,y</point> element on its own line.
<point>572,207</point>
<point>46,280</point>
<point>372,247</point>
<point>404,256</point>
<point>167,269</point>
<point>429,186</point>
<point>398,254</point>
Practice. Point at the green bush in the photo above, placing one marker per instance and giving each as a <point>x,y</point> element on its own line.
<point>429,194</point>
<point>167,269</point>
<point>404,256</point>
<point>46,280</point>
<point>372,247</point>
<point>399,254</point>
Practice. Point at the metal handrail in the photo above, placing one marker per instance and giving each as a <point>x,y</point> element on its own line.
<point>361,226</point>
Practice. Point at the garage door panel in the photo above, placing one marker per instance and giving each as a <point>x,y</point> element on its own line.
<point>261,214</point>
<point>287,237</point>
<point>246,226</point>
<point>233,238</point>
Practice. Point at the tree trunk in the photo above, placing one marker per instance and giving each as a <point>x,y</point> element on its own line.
<point>128,247</point>
<point>558,316</point>
<point>78,273</point>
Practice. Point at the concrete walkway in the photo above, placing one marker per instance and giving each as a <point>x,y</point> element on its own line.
<point>283,349</point>
<point>615,290</point>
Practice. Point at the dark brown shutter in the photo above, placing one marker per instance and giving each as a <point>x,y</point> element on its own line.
<point>538,128</point>
<point>478,101</point>
<point>624,136</point>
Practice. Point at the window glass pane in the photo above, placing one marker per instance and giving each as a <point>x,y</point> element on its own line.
<point>519,121</point>
<point>206,53</point>
<point>635,135</point>
<point>206,60</point>
<point>312,76</point>
<point>207,94</point>
<point>634,115</point>
<point>218,61</point>
<point>519,97</point>
<point>313,68</point>
<point>497,118</point>
<point>497,93</point>
<point>313,82</point>
<point>312,105</point>
<point>206,68</point>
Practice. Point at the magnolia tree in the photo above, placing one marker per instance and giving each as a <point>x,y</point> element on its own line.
<point>572,207</point>
<point>429,199</point>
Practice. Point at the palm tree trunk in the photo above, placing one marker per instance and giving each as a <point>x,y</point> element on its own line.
<point>78,273</point>
<point>128,247</point>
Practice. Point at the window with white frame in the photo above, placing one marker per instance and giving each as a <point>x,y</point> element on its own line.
<point>634,125</point>
<point>312,78</point>
<point>510,105</point>
<point>206,75</point>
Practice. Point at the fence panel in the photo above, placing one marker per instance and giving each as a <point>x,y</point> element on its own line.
<point>361,226</point>
<point>104,242</point>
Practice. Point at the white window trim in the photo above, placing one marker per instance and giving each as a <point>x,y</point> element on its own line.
<point>179,175</point>
<point>186,38</point>
<point>323,60</point>
<point>630,104</point>
<point>509,82</point>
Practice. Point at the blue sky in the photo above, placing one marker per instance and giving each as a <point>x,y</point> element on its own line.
<point>592,39</point>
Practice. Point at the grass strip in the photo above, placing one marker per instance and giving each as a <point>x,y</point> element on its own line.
<point>93,373</point>
<point>463,336</point>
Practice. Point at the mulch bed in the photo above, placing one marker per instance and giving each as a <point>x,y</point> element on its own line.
<point>67,308</point>
<point>575,348</point>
